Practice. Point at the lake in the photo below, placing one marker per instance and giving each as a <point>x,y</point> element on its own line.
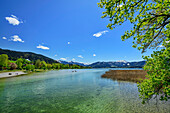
<point>64,91</point>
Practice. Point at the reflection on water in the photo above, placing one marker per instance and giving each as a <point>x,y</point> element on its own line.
<point>63,91</point>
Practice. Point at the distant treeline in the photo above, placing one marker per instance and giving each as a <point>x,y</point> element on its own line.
<point>26,64</point>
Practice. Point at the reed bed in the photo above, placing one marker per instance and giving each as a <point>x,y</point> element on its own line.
<point>126,75</point>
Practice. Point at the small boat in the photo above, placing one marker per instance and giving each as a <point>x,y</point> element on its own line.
<point>74,71</point>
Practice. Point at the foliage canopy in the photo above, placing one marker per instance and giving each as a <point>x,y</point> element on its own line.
<point>19,63</point>
<point>151,20</point>
<point>3,60</point>
<point>151,28</point>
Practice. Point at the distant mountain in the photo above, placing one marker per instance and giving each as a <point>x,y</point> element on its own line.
<point>116,64</point>
<point>14,55</point>
<point>71,62</point>
<point>124,61</point>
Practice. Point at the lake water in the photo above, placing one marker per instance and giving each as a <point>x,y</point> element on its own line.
<point>64,91</point>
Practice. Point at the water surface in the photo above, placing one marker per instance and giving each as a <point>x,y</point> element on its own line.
<point>64,91</point>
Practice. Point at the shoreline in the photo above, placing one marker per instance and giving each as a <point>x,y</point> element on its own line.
<point>15,73</point>
<point>11,74</point>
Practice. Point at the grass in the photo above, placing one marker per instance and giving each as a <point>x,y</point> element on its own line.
<point>3,71</point>
<point>35,71</point>
<point>11,61</point>
<point>126,75</point>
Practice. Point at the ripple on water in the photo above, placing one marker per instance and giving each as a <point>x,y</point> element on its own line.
<point>66,92</point>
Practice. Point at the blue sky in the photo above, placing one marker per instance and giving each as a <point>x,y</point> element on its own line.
<point>63,29</point>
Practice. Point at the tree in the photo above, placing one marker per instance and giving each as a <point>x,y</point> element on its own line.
<point>3,60</point>
<point>151,26</point>
<point>31,62</point>
<point>77,67</point>
<point>56,65</point>
<point>19,63</point>
<point>30,67</point>
<point>49,66</point>
<point>66,66</point>
<point>38,64</point>
<point>12,66</point>
<point>159,76</point>
<point>43,65</point>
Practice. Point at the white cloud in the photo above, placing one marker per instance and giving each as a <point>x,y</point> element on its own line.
<point>16,38</point>
<point>68,43</point>
<point>73,59</point>
<point>63,59</point>
<point>13,20</point>
<point>160,46</point>
<point>43,47</point>
<point>100,33</point>
<point>4,38</point>
<point>120,5</point>
<point>80,56</point>
<point>55,55</point>
<point>123,61</point>
<point>167,41</point>
<point>85,63</point>
<point>94,55</point>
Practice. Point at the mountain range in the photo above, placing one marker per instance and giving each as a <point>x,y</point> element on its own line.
<point>71,62</point>
<point>111,64</point>
<point>14,55</point>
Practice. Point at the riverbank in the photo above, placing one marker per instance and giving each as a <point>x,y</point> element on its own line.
<point>14,73</point>
<point>126,75</point>
<point>11,74</point>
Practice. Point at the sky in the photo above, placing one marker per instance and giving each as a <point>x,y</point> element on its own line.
<point>70,30</point>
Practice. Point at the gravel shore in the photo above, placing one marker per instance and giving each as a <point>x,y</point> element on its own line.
<point>11,74</point>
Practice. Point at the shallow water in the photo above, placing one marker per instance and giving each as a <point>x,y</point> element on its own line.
<point>64,91</point>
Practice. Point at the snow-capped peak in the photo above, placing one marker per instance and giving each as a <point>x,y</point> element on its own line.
<point>124,61</point>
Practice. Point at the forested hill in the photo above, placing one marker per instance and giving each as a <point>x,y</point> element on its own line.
<point>14,55</point>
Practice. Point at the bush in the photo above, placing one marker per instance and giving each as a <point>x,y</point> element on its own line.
<point>30,67</point>
<point>12,66</point>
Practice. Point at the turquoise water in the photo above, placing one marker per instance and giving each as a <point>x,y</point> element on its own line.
<point>64,91</point>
